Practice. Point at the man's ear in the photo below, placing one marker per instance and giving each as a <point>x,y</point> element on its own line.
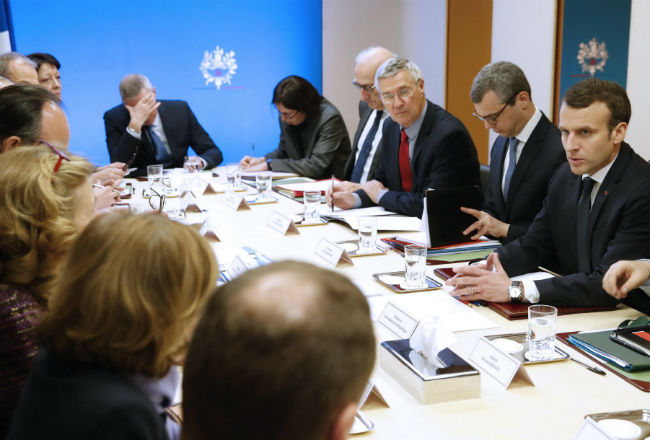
<point>343,422</point>
<point>10,143</point>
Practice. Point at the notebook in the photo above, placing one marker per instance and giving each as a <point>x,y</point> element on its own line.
<point>446,221</point>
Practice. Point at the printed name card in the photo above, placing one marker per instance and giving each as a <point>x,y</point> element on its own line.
<point>236,268</point>
<point>208,230</point>
<point>281,223</point>
<point>189,203</point>
<point>199,186</point>
<point>590,430</point>
<point>332,253</point>
<point>234,201</point>
<point>398,321</point>
<point>499,365</point>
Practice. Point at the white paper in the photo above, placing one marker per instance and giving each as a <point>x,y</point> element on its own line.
<point>431,337</point>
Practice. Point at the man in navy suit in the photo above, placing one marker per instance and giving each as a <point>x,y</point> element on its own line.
<point>523,157</point>
<point>143,131</point>
<point>367,144</point>
<point>424,147</point>
<point>596,212</point>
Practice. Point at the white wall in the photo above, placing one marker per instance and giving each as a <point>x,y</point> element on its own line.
<point>415,29</point>
<point>638,78</point>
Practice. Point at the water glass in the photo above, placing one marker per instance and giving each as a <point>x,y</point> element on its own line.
<point>264,185</point>
<point>154,175</point>
<point>233,174</point>
<point>542,324</point>
<point>367,234</point>
<point>191,164</point>
<point>415,259</point>
<point>312,206</point>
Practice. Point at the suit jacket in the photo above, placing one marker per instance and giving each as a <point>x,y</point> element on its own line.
<point>316,148</point>
<point>181,129</point>
<point>542,155</point>
<point>364,115</point>
<point>444,156</point>
<point>619,229</point>
<point>71,400</point>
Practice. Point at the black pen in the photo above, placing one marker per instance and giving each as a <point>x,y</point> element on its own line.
<point>589,367</point>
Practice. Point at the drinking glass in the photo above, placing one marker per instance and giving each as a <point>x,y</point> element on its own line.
<point>233,174</point>
<point>264,185</point>
<point>154,175</point>
<point>415,261</point>
<point>542,324</point>
<point>312,206</point>
<point>367,234</point>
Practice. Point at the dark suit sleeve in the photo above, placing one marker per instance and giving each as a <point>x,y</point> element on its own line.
<point>129,422</point>
<point>455,164</point>
<point>121,145</point>
<point>331,138</point>
<point>201,142</point>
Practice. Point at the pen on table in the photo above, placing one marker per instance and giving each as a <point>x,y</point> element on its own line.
<point>589,367</point>
<point>97,185</point>
<point>332,188</point>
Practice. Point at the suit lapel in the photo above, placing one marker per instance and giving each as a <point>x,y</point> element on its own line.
<point>365,115</point>
<point>496,172</point>
<point>425,130</point>
<point>167,122</point>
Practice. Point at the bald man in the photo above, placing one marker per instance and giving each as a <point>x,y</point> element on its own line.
<point>18,68</point>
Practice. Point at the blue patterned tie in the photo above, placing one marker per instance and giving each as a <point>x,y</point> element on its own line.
<point>357,172</point>
<point>512,162</point>
<point>162,156</point>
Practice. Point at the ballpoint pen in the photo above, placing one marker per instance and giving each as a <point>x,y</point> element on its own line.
<point>97,185</point>
<point>589,367</point>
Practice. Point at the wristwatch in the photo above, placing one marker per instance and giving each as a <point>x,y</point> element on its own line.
<point>268,164</point>
<point>516,292</point>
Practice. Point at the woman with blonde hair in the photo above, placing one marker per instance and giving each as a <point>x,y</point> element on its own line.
<point>46,199</point>
<point>121,318</point>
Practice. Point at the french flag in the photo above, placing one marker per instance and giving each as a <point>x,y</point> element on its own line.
<point>7,42</point>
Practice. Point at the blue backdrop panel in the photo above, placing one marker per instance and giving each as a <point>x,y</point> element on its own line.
<point>99,42</point>
<point>595,40</point>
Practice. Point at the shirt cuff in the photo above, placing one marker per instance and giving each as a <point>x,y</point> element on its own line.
<point>530,291</point>
<point>133,133</point>
<point>357,201</point>
<point>204,162</point>
<point>381,194</point>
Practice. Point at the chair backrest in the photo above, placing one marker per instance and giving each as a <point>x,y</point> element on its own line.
<point>485,178</point>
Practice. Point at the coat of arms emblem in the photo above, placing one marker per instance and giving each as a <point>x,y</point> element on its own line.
<point>592,56</point>
<point>218,67</point>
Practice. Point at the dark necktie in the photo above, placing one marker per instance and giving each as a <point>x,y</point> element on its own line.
<point>512,163</point>
<point>582,221</point>
<point>405,163</point>
<point>161,154</point>
<point>357,172</point>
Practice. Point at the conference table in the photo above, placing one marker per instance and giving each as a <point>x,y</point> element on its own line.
<point>563,392</point>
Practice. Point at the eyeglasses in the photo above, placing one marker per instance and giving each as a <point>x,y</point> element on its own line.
<point>369,88</point>
<point>288,116</point>
<point>157,200</point>
<point>491,119</point>
<point>404,93</point>
<point>58,152</point>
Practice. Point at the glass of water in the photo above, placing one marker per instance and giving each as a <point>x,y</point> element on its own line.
<point>312,206</point>
<point>264,185</point>
<point>542,324</point>
<point>367,234</point>
<point>154,175</point>
<point>233,174</point>
<point>415,261</point>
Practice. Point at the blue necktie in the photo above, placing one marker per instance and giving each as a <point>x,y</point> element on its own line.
<point>357,172</point>
<point>161,154</point>
<point>512,162</point>
<point>582,221</point>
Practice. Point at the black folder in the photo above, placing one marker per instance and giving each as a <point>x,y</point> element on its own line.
<point>446,221</point>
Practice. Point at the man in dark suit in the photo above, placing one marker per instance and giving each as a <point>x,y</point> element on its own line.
<point>597,212</point>
<point>367,143</point>
<point>523,158</point>
<point>424,147</point>
<point>143,131</point>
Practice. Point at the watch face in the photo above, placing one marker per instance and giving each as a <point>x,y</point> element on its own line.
<point>515,291</point>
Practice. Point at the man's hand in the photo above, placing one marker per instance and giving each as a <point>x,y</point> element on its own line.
<point>624,276</point>
<point>141,111</point>
<point>347,186</point>
<point>260,166</point>
<point>109,173</point>
<point>248,161</point>
<point>475,282</point>
<point>338,196</point>
<point>372,188</point>
<point>486,225</point>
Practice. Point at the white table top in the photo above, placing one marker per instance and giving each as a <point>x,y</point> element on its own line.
<point>555,407</point>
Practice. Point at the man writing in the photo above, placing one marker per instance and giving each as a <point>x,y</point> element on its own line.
<point>424,147</point>
<point>597,211</point>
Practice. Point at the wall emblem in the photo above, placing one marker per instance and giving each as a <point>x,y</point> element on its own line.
<point>592,56</point>
<point>218,67</point>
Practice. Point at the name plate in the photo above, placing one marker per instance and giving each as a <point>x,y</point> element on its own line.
<point>281,223</point>
<point>590,430</point>
<point>236,268</point>
<point>332,253</point>
<point>208,230</point>
<point>497,364</point>
<point>189,203</point>
<point>235,201</point>
<point>198,186</point>
<point>398,321</point>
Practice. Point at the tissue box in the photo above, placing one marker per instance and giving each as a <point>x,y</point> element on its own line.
<point>454,379</point>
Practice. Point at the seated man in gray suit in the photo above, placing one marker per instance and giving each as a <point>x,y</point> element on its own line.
<point>367,144</point>
<point>523,157</point>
